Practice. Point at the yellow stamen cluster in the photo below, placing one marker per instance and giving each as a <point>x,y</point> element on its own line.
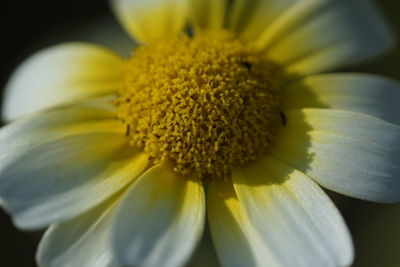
<point>204,104</point>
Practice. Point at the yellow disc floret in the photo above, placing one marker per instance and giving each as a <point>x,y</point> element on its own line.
<point>204,104</point>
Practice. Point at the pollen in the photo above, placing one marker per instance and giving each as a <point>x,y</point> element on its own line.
<point>203,104</point>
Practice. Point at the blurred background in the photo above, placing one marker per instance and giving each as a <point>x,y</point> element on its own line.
<point>28,25</point>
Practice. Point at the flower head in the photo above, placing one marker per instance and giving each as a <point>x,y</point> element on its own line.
<point>220,112</point>
<point>205,103</point>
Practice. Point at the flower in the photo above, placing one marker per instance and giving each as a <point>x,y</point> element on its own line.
<point>124,158</point>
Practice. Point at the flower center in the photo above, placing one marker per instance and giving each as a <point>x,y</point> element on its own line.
<point>204,104</point>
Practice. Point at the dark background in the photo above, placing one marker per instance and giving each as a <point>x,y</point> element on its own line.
<point>27,25</point>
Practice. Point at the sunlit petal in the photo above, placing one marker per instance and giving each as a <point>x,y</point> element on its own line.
<point>61,74</point>
<point>347,152</point>
<point>160,220</point>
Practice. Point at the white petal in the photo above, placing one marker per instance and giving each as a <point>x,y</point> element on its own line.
<point>319,35</point>
<point>369,94</point>
<point>42,127</point>
<point>160,220</point>
<point>208,14</point>
<point>236,240</point>
<point>295,219</point>
<point>347,152</point>
<point>61,74</point>
<point>55,180</point>
<point>83,241</point>
<point>147,21</point>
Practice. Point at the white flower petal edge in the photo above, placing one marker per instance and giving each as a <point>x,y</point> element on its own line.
<point>347,152</point>
<point>209,14</point>
<point>147,21</point>
<point>338,33</point>
<point>236,240</point>
<point>82,241</point>
<point>61,74</point>
<point>160,220</point>
<point>51,172</point>
<point>296,220</point>
<point>370,94</point>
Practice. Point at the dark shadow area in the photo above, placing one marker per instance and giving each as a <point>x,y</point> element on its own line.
<point>18,248</point>
<point>375,230</point>
<point>24,24</point>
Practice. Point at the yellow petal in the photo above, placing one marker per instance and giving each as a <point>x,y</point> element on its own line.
<point>147,21</point>
<point>208,14</point>
<point>251,18</point>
